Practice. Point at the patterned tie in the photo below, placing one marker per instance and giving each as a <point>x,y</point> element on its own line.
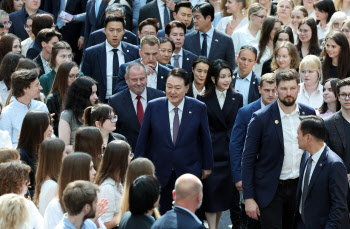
<point>115,62</point>
<point>306,186</point>
<point>176,60</point>
<point>176,124</point>
<point>60,23</point>
<point>139,109</point>
<point>166,16</point>
<point>204,45</point>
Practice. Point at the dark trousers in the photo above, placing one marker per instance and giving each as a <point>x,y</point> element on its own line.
<point>279,213</point>
<point>166,196</point>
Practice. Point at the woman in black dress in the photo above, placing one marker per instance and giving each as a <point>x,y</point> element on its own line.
<point>222,107</point>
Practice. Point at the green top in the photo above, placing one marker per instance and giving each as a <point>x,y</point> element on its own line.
<point>46,82</point>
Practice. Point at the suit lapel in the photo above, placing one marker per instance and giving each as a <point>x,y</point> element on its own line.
<point>252,86</point>
<point>185,119</point>
<point>129,107</point>
<point>101,10</point>
<point>234,75</point>
<point>213,102</point>
<point>339,125</point>
<point>185,60</point>
<point>161,78</point>
<point>214,44</point>
<point>167,121</point>
<point>318,168</point>
<point>229,104</point>
<point>277,123</point>
<point>197,44</point>
<point>126,52</point>
<point>103,62</point>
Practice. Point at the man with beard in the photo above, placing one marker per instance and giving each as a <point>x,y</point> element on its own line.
<point>80,200</point>
<point>271,157</point>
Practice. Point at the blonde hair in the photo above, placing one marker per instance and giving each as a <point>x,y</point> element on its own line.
<point>313,62</point>
<point>255,8</point>
<point>8,155</point>
<point>338,4</point>
<point>14,212</point>
<point>292,51</point>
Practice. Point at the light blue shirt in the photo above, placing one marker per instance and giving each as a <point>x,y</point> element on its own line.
<point>13,115</point>
<point>210,34</point>
<point>242,86</point>
<point>66,224</point>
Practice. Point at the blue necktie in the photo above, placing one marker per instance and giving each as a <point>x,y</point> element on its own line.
<point>166,16</point>
<point>115,62</point>
<point>97,7</point>
<point>60,23</point>
<point>306,186</point>
<point>204,45</point>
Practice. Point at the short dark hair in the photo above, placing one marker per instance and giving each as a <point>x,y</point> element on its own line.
<point>41,21</point>
<point>248,47</point>
<point>287,75</point>
<point>313,125</point>
<point>206,9</point>
<point>165,40</point>
<point>115,18</point>
<point>326,6</point>
<point>186,4</point>
<point>143,193</point>
<point>45,35</point>
<point>179,72</point>
<point>343,83</point>
<point>174,24</point>
<point>22,79</point>
<point>149,21</point>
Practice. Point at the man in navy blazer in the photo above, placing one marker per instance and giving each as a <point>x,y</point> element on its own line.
<point>156,73</point>
<point>175,136</point>
<point>207,41</point>
<point>101,65</point>
<point>187,197</point>
<point>153,9</point>
<point>321,200</point>
<point>124,103</point>
<point>271,157</point>
<point>19,18</point>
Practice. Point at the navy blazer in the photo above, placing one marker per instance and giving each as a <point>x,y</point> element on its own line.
<point>99,36</point>
<point>128,124</point>
<point>187,60</point>
<point>19,19</point>
<point>34,50</point>
<point>254,93</point>
<point>121,84</point>
<point>221,46</point>
<point>150,10</point>
<point>264,152</point>
<point>192,150</point>
<point>326,199</point>
<point>238,135</point>
<point>95,60</point>
<point>175,219</point>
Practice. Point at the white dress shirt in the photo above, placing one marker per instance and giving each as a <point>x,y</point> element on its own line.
<point>161,6</point>
<point>257,68</point>
<point>152,78</point>
<point>224,21</point>
<point>210,34</point>
<point>292,153</point>
<point>172,61</point>
<point>242,86</point>
<point>321,33</point>
<point>196,92</point>
<point>4,93</point>
<point>242,37</point>
<point>221,95</point>
<point>315,100</point>
<point>314,159</point>
<point>143,99</point>
<point>172,114</point>
<point>109,65</point>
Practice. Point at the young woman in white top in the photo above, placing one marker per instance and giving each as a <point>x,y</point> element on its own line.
<point>324,10</point>
<point>51,153</point>
<point>111,177</point>
<point>311,89</point>
<point>309,6</point>
<point>238,9</point>
<point>285,56</point>
<point>298,14</point>
<point>284,11</point>
<point>330,99</point>
<point>250,33</point>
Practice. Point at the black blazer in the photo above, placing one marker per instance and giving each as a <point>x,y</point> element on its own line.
<point>34,50</point>
<point>99,36</point>
<point>266,67</point>
<point>150,10</point>
<point>133,221</point>
<point>128,124</point>
<point>253,89</point>
<point>27,157</point>
<point>39,62</point>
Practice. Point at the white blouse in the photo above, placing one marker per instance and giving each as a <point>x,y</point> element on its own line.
<point>47,193</point>
<point>221,26</point>
<point>257,68</point>
<point>36,220</point>
<point>315,100</point>
<point>242,37</point>
<point>5,140</point>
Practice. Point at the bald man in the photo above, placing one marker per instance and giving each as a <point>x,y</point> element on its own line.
<point>187,195</point>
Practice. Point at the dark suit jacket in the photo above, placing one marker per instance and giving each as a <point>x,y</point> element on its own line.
<point>177,218</point>
<point>325,204</point>
<point>133,221</point>
<point>238,135</point>
<point>34,50</point>
<point>150,10</point>
<point>99,36</point>
<point>253,89</point>
<point>187,60</point>
<point>221,46</point>
<point>121,84</point>
<point>95,60</point>
<point>19,19</point>
<point>39,62</point>
<point>128,124</point>
<point>264,152</point>
<point>192,151</point>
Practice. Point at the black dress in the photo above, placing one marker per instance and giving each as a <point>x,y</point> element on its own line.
<point>27,158</point>
<point>54,106</point>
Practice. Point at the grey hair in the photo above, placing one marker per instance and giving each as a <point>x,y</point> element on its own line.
<point>116,7</point>
<point>136,65</point>
<point>3,14</point>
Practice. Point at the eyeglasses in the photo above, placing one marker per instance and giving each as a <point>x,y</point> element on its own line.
<point>113,118</point>
<point>131,155</point>
<point>261,16</point>
<point>337,25</point>
<point>28,27</point>
<point>344,96</point>
<point>72,77</point>
<point>304,31</point>
<point>7,23</point>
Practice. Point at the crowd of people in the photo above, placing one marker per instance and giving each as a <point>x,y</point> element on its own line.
<point>163,114</point>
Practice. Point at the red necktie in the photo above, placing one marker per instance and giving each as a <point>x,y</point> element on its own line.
<point>139,109</point>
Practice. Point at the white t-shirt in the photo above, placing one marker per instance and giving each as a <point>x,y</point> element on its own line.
<point>47,193</point>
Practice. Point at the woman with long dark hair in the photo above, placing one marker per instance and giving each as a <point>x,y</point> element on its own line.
<point>223,104</point>
<point>324,9</point>
<point>11,6</point>
<point>9,43</point>
<point>331,103</point>
<point>200,67</point>
<point>307,38</point>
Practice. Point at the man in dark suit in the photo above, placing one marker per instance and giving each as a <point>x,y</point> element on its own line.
<point>181,58</point>
<point>187,197</point>
<point>238,134</point>
<point>102,61</point>
<point>175,136</point>
<point>166,50</point>
<point>271,158</point>
<point>207,41</point>
<point>245,81</point>
<point>19,18</point>
<point>128,106</point>
<point>323,183</point>
<point>156,9</point>
<point>99,35</point>
<point>156,73</point>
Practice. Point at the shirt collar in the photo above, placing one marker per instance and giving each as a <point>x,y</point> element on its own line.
<point>45,62</point>
<point>262,104</point>
<point>195,89</point>
<point>318,154</point>
<point>143,95</point>
<point>248,77</point>
<point>319,88</point>
<point>191,213</point>
<point>110,47</point>
<point>220,93</point>
<point>17,103</point>
<point>209,33</point>
<point>296,111</point>
<point>160,3</point>
<point>181,105</point>
<point>180,53</point>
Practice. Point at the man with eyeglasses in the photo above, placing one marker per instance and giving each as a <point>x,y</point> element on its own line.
<point>150,26</point>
